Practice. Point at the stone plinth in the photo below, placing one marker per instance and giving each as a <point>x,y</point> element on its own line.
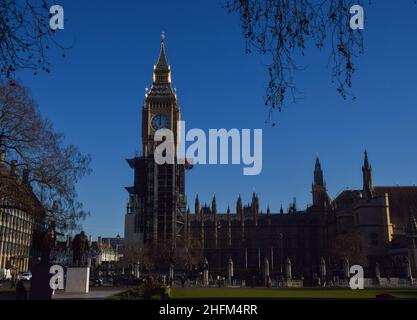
<point>77,280</point>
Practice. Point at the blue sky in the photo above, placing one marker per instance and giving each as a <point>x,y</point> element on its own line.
<point>94,96</point>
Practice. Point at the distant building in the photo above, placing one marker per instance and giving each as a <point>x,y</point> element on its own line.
<point>108,249</point>
<point>380,218</point>
<point>62,253</point>
<point>104,250</point>
<point>21,219</point>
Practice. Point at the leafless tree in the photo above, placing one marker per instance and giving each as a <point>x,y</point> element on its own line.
<point>159,255</point>
<point>284,29</point>
<point>54,168</point>
<point>135,252</point>
<point>26,38</point>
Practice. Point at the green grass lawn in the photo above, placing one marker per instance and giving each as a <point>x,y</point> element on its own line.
<point>6,291</point>
<point>283,293</point>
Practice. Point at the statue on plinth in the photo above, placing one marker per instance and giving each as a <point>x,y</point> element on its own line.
<point>80,248</point>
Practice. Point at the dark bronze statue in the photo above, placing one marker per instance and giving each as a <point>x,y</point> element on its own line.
<point>80,248</point>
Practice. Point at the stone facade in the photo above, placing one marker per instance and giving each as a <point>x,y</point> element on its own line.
<point>308,237</point>
<point>21,219</point>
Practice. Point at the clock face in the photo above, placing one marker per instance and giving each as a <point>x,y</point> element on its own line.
<point>160,121</point>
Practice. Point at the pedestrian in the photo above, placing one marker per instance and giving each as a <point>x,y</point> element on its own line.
<point>21,292</point>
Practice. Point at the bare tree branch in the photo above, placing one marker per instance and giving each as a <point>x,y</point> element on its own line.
<point>26,37</point>
<point>284,29</point>
<point>55,168</point>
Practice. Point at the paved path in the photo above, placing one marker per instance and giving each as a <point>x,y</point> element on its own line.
<point>95,294</point>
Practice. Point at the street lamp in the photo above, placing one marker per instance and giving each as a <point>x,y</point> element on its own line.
<point>218,226</point>
<point>281,237</point>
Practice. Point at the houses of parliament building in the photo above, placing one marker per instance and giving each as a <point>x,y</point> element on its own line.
<point>373,226</point>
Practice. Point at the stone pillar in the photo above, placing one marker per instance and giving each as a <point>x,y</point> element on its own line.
<point>408,269</point>
<point>377,274</point>
<point>205,273</point>
<point>266,271</point>
<point>323,271</point>
<point>377,271</point>
<point>288,269</point>
<point>230,271</point>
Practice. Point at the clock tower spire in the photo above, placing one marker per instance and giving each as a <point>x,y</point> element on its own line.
<point>162,70</point>
<point>159,190</point>
<point>161,109</point>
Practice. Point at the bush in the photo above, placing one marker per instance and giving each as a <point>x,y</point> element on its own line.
<point>151,291</point>
<point>148,292</point>
<point>131,294</point>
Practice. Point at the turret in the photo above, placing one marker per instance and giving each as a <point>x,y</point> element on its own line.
<point>292,208</point>
<point>239,211</point>
<point>255,208</point>
<point>197,206</point>
<point>214,205</point>
<point>215,226</point>
<point>268,215</point>
<point>318,174</point>
<point>367,178</point>
<point>239,208</point>
<point>319,191</point>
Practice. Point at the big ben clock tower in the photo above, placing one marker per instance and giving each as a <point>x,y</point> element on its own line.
<point>156,207</point>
